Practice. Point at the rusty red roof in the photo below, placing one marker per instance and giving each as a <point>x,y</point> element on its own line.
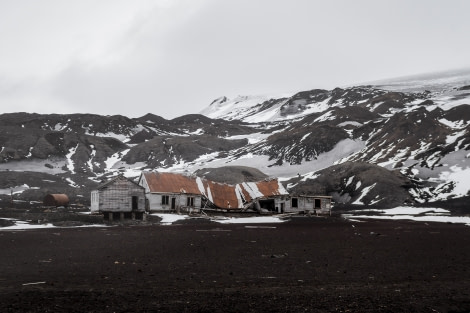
<point>171,183</point>
<point>222,195</point>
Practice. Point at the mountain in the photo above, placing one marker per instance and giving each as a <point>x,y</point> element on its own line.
<point>383,143</point>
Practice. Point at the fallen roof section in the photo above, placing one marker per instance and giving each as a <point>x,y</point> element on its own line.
<point>224,196</point>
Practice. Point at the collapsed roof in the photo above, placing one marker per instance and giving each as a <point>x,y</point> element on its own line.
<point>223,196</point>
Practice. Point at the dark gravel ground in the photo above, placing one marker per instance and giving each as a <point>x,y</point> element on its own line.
<point>305,265</point>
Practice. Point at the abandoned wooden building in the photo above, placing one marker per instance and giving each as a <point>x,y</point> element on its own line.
<point>119,198</point>
<point>170,192</point>
<point>177,192</point>
<point>122,198</point>
<point>310,204</point>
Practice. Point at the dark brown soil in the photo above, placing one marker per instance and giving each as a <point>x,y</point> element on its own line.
<point>305,265</point>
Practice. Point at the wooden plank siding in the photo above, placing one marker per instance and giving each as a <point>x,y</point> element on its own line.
<point>309,204</point>
<point>119,195</point>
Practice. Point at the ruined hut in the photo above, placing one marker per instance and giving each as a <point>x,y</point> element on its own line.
<point>56,200</point>
<point>181,193</point>
<point>310,204</point>
<point>119,198</point>
<point>267,196</point>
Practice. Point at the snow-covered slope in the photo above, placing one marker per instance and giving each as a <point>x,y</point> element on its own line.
<point>415,128</point>
<point>419,125</point>
<point>251,109</point>
<point>444,89</point>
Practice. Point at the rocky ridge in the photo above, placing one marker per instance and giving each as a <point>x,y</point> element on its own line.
<point>364,145</point>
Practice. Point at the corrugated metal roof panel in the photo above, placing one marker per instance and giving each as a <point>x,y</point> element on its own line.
<point>171,183</point>
<point>271,188</point>
<point>252,190</point>
<point>224,196</point>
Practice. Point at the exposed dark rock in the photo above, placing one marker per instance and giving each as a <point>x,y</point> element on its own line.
<point>164,151</point>
<point>459,113</point>
<point>232,174</point>
<point>399,130</point>
<point>348,181</point>
<point>302,143</point>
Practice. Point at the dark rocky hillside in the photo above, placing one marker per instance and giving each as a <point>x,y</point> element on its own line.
<point>367,145</point>
<point>351,182</point>
<point>161,150</point>
<point>232,174</point>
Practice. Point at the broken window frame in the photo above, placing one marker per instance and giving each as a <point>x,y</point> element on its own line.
<point>165,200</point>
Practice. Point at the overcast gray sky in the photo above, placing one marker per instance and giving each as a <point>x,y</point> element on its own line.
<point>173,57</point>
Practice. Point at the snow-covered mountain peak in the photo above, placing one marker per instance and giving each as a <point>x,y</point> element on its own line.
<point>230,109</point>
<point>251,109</point>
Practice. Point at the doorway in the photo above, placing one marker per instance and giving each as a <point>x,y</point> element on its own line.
<point>173,203</point>
<point>267,204</point>
<point>135,203</point>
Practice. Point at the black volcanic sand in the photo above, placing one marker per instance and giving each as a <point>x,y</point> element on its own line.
<point>307,264</point>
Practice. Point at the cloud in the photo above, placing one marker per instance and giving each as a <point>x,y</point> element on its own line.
<point>172,57</point>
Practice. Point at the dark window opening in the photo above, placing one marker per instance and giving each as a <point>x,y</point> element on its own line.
<point>317,203</point>
<point>295,203</point>
<point>135,203</point>
<point>165,200</point>
<point>190,201</point>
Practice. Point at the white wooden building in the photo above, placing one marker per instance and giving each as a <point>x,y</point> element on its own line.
<point>309,204</point>
<point>119,198</point>
<point>170,192</point>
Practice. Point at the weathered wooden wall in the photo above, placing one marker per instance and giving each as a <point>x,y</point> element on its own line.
<point>155,202</point>
<point>308,204</point>
<point>117,197</point>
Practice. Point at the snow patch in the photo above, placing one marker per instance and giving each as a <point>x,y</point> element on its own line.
<point>70,163</point>
<point>168,219</point>
<point>72,183</point>
<point>454,125</point>
<point>427,218</point>
<point>350,180</point>
<point>15,190</point>
<point>115,158</point>
<point>450,139</point>
<point>352,123</point>
<point>92,155</point>
<point>252,138</point>
<point>328,116</point>
<point>365,191</point>
<point>250,220</point>
<point>22,225</point>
